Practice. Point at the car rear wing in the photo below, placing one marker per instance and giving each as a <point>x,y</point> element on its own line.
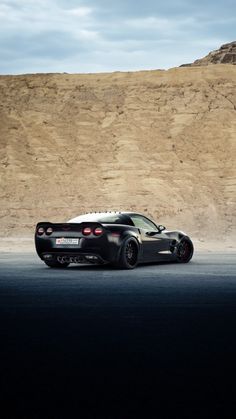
<point>85,228</point>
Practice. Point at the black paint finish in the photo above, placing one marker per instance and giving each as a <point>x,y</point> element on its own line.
<point>154,245</point>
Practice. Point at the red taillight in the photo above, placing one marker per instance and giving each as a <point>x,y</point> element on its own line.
<point>87,231</point>
<point>49,231</point>
<point>40,231</point>
<point>98,231</point>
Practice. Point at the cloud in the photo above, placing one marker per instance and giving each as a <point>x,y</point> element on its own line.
<point>79,11</point>
<point>35,17</point>
<point>102,35</point>
<point>153,22</point>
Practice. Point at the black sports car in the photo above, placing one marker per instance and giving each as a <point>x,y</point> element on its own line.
<point>122,239</point>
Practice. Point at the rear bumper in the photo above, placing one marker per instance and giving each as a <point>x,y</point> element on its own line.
<point>71,257</point>
<point>104,250</point>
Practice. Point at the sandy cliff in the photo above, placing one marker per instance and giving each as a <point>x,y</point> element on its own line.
<point>160,142</point>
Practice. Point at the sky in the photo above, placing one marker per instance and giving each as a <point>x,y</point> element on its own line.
<point>88,36</point>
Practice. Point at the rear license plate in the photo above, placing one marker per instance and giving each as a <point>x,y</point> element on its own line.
<point>64,241</point>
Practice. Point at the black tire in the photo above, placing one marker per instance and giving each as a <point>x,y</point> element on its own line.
<point>55,264</point>
<point>184,250</point>
<point>129,254</point>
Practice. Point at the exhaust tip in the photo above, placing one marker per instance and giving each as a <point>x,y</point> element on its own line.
<point>47,257</point>
<point>91,257</point>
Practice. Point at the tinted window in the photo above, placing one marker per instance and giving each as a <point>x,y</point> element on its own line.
<point>143,222</point>
<point>115,219</point>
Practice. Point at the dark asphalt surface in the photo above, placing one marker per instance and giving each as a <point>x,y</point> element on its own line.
<point>91,342</point>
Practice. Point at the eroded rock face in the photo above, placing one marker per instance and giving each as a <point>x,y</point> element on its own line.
<point>226,54</point>
<point>162,143</point>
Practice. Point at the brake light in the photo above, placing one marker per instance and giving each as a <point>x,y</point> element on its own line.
<point>98,231</point>
<point>40,231</point>
<point>87,231</point>
<point>49,231</point>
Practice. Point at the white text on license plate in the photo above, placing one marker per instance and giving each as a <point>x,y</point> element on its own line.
<point>62,240</point>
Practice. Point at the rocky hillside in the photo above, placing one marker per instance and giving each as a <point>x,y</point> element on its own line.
<point>226,54</point>
<point>160,142</point>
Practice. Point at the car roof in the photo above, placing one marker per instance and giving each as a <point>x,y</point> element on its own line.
<point>92,216</point>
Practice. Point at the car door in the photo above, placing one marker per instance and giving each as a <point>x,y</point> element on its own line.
<point>156,244</point>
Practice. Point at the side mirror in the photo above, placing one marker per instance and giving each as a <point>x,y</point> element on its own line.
<point>161,228</point>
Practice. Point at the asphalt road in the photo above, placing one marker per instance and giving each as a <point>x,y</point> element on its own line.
<point>91,342</point>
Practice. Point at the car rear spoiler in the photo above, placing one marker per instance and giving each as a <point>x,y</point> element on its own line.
<point>64,227</point>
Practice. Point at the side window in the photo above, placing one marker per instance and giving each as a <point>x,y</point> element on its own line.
<point>116,219</point>
<point>143,222</point>
<point>111,219</point>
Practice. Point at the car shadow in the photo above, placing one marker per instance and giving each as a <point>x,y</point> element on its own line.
<point>107,267</point>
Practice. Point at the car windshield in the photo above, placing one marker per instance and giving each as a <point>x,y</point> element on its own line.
<point>142,222</point>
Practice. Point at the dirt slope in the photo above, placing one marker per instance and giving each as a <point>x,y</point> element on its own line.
<point>160,142</point>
